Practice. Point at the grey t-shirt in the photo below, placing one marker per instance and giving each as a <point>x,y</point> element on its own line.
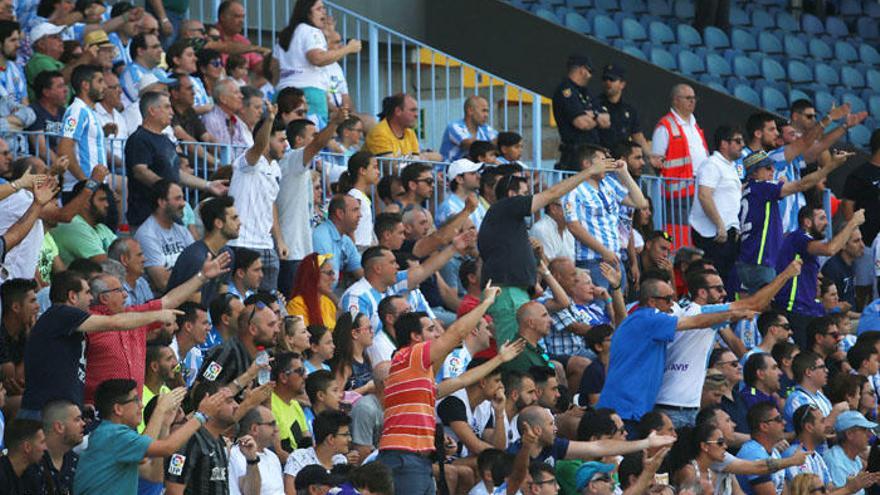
<point>366,421</point>
<point>162,247</point>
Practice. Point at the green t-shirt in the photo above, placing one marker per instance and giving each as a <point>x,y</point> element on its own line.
<point>48,252</point>
<point>533,355</point>
<point>176,6</point>
<point>38,63</point>
<point>286,415</point>
<point>78,239</point>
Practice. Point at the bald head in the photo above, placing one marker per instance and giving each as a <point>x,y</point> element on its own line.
<point>526,311</point>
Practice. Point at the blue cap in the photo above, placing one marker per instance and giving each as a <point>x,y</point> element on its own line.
<point>578,60</point>
<point>613,72</point>
<point>852,419</point>
<point>870,319</point>
<point>758,159</point>
<point>588,470</point>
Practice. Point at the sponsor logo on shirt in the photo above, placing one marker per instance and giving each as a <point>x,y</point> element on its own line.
<point>70,124</point>
<point>175,464</point>
<point>218,474</point>
<point>212,371</point>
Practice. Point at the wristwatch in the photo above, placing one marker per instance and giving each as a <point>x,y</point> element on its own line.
<point>200,417</point>
<point>251,462</point>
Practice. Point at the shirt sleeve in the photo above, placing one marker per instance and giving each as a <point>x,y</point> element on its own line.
<point>129,446</point>
<point>88,244</point>
<point>570,206</point>
<point>709,175</point>
<point>853,190</point>
<point>659,141</point>
<point>450,410</point>
<point>350,255</point>
<point>72,120</point>
<point>237,468</point>
<point>663,327</point>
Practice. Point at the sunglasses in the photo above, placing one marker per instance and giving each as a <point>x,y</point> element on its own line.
<point>786,326</point>
<point>429,181</point>
<point>295,371</point>
<point>809,116</point>
<point>778,419</point>
<point>546,358</point>
<point>721,442</point>
<point>259,305</point>
<point>216,63</point>
<point>668,299</point>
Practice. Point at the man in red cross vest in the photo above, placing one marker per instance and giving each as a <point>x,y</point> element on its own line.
<point>680,141</point>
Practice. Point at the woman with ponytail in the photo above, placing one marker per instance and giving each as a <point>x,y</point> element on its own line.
<point>350,364</point>
<point>312,290</point>
<point>358,181</point>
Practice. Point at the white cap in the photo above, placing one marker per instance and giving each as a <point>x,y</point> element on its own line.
<point>151,78</point>
<point>45,29</point>
<point>462,166</point>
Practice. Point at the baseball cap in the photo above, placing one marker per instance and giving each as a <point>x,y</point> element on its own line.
<point>613,72</point>
<point>45,29</point>
<point>588,471</point>
<point>322,258</point>
<point>462,166</point>
<point>852,419</point>
<point>97,37</point>
<point>152,78</point>
<point>311,475</point>
<point>577,60</point>
<point>758,159</point>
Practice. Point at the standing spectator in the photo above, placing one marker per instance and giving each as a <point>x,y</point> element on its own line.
<point>63,426</point>
<point>714,218</point>
<point>128,253</point>
<point>146,53</point>
<point>862,192</point>
<point>54,356</point>
<point>843,460</point>
<point>552,231</point>
<point>840,268</point>
<point>221,225</point>
<point>191,334</point>
<point>109,112</point>
<point>162,235</point>
<point>459,135</point>
<point>13,84</point>
<point>25,444</point>
<point>260,426</point>
<point>223,122</point>
<point>161,371</point>
<point>86,236</point>
<point>288,374</point>
<point>302,54</point>
<point>50,92</point>
<point>624,117</point>
<point>82,136</point>
<point>394,136</point>
<point>681,143</point>
<point>598,340</point>
<point>761,377</point>
<point>256,180</point>
<point>464,181</point>
<point>767,427</point>
<point>809,427</point>
<point>334,238</point>
<point>576,112</point>
<point>230,23</point>
<point>593,210</point>
<point>471,416</point>
<point>358,182</point>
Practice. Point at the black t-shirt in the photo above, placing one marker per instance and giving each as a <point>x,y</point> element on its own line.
<point>50,480</point>
<point>54,358</point>
<point>201,465</point>
<point>592,381</point>
<point>843,276</point>
<point>226,362</point>
<point>11,348</point>
<point>624,123</point>
<point>157,152</point>
<point>47,122</point>
<point>188,264</point>
<point>452,409</point>
<point>9,482</point>
<point>863,187</point>
<point>503,241</point>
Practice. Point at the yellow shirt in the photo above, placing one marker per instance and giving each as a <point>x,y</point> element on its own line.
<point>147,396</point>
<point>286,415</point>
<point>382,141</point>
<point>297,306</point>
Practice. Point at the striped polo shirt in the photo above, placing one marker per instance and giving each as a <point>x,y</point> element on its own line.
<point>598,210</point>
<point>410,396</point>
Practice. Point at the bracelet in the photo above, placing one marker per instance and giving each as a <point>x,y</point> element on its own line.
<point>14,186</point>
<point>200,417</point>
<point>609,300</point>
<point>91,185</point>
<point>164,20</point>
<point>201,275</point>
<point>250,462</point>
<point>612,288</point>
<point>235,382</point>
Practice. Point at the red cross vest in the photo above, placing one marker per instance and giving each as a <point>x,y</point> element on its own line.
<point>677,163</point>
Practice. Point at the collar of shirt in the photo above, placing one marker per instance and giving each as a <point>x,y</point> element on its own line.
<point>692,121</point>
<point>719,156</point>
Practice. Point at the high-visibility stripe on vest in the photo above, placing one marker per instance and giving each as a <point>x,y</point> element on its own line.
<point>677,163</point>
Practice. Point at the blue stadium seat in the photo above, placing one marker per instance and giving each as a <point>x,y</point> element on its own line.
<point>690,64</point>
<point>607,5</point>
<point>688,36</point>
<point>660,33</point>
<point>820,50</point>
<point>795,95</point>
<point>811,25</point>
<point>869,54</point>
<point>745,68</point>
<point>743,40</point>
<point>823,101</point>
<point>851,8</point>
<point>851,78</point>
<point>684,9</point>
<point>772,70</point>
<point>769,43</point>
<point>747,94</point>
<point>635,52</point>
<point>794,46</point>
<point>579,3</point>
<point>856,104</point>
<point>577,23</point>
<point>836,27</point>
<point>762,20</point>
<point>873,79</point>
<point>826,75</point>
<point>787,22</point>
<point>798,72</point>
<point>845,53</point>
<point>738,17</point>
<point>867,28</point>
<point>718,87</point>
<point>874,105</point>
<point>633,31</point>
<point>553,2</point>
<point>872,9</point>
<point>715,38</point>
<point>663,58</point>
<point>859,136</point>
<point>660,8</point>
<point>634,6</point>
<point>717,65</point>
<point>547,14</point>
<point>773,99</point>
<point>604,28</point>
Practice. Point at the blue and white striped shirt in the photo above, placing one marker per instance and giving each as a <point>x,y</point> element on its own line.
<point>201,96</point>
<point>598,210</point>
<point>13,80</point>
<point>452,205</point>
<point>122,53</point>
<point>789,205</point>
<point>361,297</point>
<point>81,124</point>
<point>456,132</point>
<point>131,77</point>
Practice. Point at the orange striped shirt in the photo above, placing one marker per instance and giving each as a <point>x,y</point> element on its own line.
<point>410,394</point>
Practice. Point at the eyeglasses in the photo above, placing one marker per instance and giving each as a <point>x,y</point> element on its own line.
<point>738,140</point>
<point>346,434</point>
<point>721,442</point>
<point>778,419</point>
<point>819,367</point>
<point>268,423</point>
<point>429,181</point>
<point>668,298</point>
<point>128,400</point>
<point>118,289</point>
<point>295,371</point>
<point>544,482</point>
<point>216,63</point>
<point>329,273</point>
<point>786,326</point>
<point>809,116</point>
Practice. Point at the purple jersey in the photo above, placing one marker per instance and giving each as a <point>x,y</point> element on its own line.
<point>761,223</point>
<point>799,294</point>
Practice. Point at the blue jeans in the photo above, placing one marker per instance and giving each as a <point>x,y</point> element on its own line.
<point>411,472</point>
<point>679,416</point>
<point>753,277</point>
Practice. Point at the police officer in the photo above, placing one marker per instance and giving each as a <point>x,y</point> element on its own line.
<point>576,111</point>
<point>624,119</point>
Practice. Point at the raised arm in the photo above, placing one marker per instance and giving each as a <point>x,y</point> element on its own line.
<point>169,445</point>
<point>324,137</point>
<point>213,268</point>
<point>759,300</point>
<point>830,248</point>
<point>430,266</point>
<point>507,352</point>
<point>43,194</point>
<point>602,448</point>
<point>445,233</point>
<point>127,321</point>
<point>810,180</point>
<point>560,189</point>
<point>705,320</point>
<point>456,332</point>
<point>261,137</point>
<point>636,197</point>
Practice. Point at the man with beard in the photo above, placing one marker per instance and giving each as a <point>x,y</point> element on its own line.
<point>86,236</point>
<point>521,392</point>
<point>20,309</point>
<point>798,297</point>
<point>82,136</point>
<point>162,236</point>
<point>63,426</point>
<point>161,371</point>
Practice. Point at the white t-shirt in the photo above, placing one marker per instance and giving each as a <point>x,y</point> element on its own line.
<point>21,261</point>
<point>162,247</point>
<point>720,174</point>
<point>296,70</point>
<point>301,458</point>
<point>336,86</point>
<point>477,418</point>
<point>116,142</point>
<point>295,204</point>
<point>255,188</point>
<point>364,235</point>
<point>271,481</point>
<point>381,349</point>
<point>555,245</point>
<point>687,357</point>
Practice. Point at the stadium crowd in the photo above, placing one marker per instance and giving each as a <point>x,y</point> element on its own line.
<point>304,322</point>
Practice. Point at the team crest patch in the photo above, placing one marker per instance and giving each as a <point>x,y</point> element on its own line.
<point>566,92</point>
<point>212,371</point>
<point>175,464</point>
<point>569,208</point>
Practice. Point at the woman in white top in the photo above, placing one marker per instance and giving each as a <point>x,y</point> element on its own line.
<point>358,182</point>
<point>302,51</point>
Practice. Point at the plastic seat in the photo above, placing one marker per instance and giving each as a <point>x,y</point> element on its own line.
<point>874,105</point>
<point>845,52</point>
<point>819,49</point>
<point>773,99</point>
<point>633,31</point>
<point>836,27</point>
<point>738,17</point>
<point>850,8</point>
<point>684,9</point>
<point>715,38</point>
<point>660,8</point>
<point>548,15</point>
<point>663,58</point>
<point>873,79</point>
<point>772,70</point>
<point>798,72</point>
<point>872,9</point>
<point>604,28</point>
<point>859,136</point>
<point>867,28</point>
<point>852,78</point>
<point>718,87</point>
<point>579,3</point>
<point>577,23</point>
<point>794,47</point>
<point>826,75</point>
<point>769,43</point>
<point>634,6</point>
<point>688,36</point>
<point>762,20</point>
<point>717,65</point>
<point>823,101</point>
<point>811,25</point>
<point>745,68</point>
<point>786,22</point>
<point>869,54</point>
<point>856,104</point>
<point>660,33</point>
<point>743,40</point>
<point>795,95</point>
<point>635,52</point>
<point>690,64</point>
<point>607,5</point>
<point>747,94</point>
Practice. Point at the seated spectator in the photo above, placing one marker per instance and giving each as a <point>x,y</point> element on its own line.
<point>352,367</point>
<point>63,427</point>
<point>840,268</point>
<point>20,312</point>
<point>332,443</point>
<point>260,426</point>
<point>335,237</point>
<point>86,236</point>
<point>110,115</point>
<point>294,430</point>
<point>128,253</point>
<point>843,460</point>
<point>394,136</point>
<point>552,231</point>
<point>26,445</point>
<point>811,375</point>
<point>598,340</point>
<point>146,53</point>
<point>162,236</point>
<point>321,349</point>
<point>45,40</point>
<point>358,181</point>
<point>459,135</point>
<point>464,181</point>
<point>467,414</point>
<point>247,273</point>
<point>313,289</point>
<point>534,325</point>
<point>222,121</point>
<point>510,145</point>
<point>49,105</point>
<point>485,152</point>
